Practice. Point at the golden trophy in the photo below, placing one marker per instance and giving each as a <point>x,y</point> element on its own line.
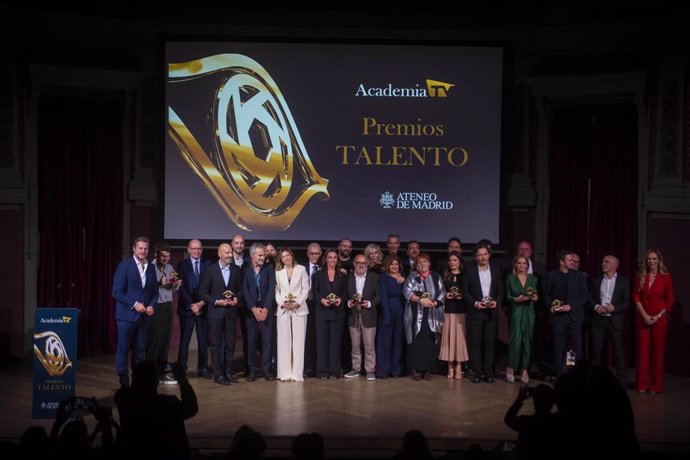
<point>357,299</point>
<point>530,291</point>
<point>228,294</point>
<point>331,298</point>
<point>454,292</point>
<point>557,305</point>
<point>487,299</point>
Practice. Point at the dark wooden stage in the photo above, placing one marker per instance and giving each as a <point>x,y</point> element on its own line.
<point>352,415</point>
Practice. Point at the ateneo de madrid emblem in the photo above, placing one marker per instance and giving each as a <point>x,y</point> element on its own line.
<point>244,143</point>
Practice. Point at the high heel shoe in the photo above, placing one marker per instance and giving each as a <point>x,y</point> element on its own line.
<point>524,377</point>
<point>458,372</point>
<point>451,372</point>
<point>510,376</point>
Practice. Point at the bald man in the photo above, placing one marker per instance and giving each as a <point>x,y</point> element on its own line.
<point>220,290</point>
<point>609,301</point>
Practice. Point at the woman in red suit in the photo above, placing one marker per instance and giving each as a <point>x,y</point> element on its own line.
<point>653,297</point>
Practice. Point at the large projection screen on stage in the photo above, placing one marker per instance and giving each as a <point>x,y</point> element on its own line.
<point>294,141</point>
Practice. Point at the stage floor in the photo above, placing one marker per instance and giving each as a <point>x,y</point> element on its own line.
<point>352,413</point>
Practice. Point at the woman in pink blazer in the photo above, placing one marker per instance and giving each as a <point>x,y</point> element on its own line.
<point>292,289</point>
<point>653,297</point>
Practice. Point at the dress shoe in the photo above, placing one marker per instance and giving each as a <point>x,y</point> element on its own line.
<point>489,379</point>
<point>323,377</point>
<point>416,376</point>
<point>221,381</point>
<point>232,379</point>
<point>251,378</point>
<point>270,377</point>
<point>204,374</point>
<point>334,376</point>
<point>476,379</point>
<point>426,375</point>
<point>124,380</point>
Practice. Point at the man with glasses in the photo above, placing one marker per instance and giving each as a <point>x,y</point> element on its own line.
<point>364,298</point>
<point>344,251</point>
<point>314,255</point>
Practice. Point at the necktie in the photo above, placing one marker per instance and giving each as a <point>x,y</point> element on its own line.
<point>196,269</point>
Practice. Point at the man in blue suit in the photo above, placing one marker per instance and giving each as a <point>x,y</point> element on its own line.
<point>258,290</point>
<point>191,309</point>
<point>135,290</point>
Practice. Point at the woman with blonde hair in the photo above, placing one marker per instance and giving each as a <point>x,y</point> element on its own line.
<point>521,293</point>
<point>653,297</point>
<point>374,257</point>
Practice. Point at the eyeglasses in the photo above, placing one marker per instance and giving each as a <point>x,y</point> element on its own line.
<point>360,263</point>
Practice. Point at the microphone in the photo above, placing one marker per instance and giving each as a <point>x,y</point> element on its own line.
<point>56,295</point>
<point>71,290</point>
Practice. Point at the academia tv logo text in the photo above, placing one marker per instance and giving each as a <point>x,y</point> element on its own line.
<point>433,88</point>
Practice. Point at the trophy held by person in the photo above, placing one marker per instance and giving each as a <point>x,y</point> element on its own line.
<point>455,292</point>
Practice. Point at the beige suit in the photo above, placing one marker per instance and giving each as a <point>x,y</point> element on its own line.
<point>291,325</point>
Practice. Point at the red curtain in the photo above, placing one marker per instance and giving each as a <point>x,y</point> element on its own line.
<point>593,196</point>
<point>80,194</point>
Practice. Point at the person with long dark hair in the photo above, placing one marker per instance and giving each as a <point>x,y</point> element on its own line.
<point>453,336</point>
<point>390,332</point>
<point>329,286</point>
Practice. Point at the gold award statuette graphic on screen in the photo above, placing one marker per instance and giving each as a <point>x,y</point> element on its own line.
<point>257,168</point>
<point>55,359</point>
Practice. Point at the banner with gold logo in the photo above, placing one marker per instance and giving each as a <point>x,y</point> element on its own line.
<point>55,353</point>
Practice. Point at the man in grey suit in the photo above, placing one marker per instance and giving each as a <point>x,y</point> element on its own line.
<point>364,298</point>
<point>609,301</point>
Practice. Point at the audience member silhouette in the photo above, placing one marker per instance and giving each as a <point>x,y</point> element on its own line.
<point>34,444</point>
<point>415,447</point>
<point>595,415</point>
<point>152,423</point>
<point>308,446</point>
<point>71,439</point>
<point>534,431</point>
<point>474,452</point>
<point>248,444</point>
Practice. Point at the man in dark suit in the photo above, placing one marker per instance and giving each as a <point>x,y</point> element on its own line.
<point>135,290</point>
<point>609,301</point>
<point>190,308</point>
<point>410,262</point>
<point>364,298</point>
<point>565,295</point>
<point>312,266</point>
<point>241,260</point>
<point>220,290</point>
<point>258,291</point>
<point>482,290</point>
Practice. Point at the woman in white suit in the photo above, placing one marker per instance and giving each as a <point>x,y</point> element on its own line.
<point>292,289</point>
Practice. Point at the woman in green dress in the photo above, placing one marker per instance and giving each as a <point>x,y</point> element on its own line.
<point>521,293</point>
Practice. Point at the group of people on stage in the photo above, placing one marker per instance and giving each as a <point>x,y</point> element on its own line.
<point>300,313</point>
